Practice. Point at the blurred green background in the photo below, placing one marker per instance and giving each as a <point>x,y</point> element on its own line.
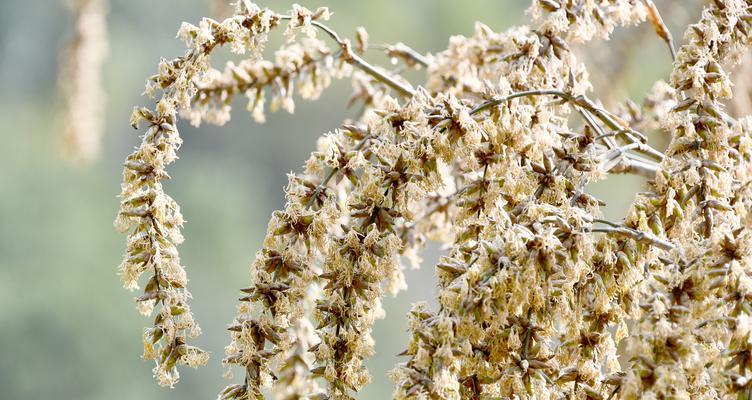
<point>67,328</point>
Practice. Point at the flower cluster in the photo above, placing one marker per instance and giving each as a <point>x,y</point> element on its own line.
<point>310,64</point>
<point>523,313</point>
<point>150,217</point>
<point>689,338</point>
<point>580,21</point>
<point>490,157</point>
<point>189,86</point>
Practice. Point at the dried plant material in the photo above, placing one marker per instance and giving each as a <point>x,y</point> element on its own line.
<point>361,36</point>
<point>660,27</point>
<point>579,20</point>
<point>81,81</point>
<point>685,334</point>
<point>490,157</point>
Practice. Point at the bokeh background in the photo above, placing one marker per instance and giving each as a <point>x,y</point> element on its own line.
<point>67,328</point>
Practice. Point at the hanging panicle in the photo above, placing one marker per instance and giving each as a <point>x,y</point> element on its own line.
<point>81,81</point>
<point>491,157</point>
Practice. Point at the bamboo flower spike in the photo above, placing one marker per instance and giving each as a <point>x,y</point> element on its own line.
<point>81,81</point>
<point>491,157</point>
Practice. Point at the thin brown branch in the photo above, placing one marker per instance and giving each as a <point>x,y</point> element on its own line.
<point>360,63</point>
<point>588,105</point>
<point>637,235</point>
<point>660,27</point>
<point>403,51</point>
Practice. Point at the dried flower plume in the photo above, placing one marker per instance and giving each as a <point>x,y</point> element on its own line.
<point>81,80</point>
<point>490,157</point>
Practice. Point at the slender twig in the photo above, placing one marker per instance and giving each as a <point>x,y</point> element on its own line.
<point>615,157</point>
<point>403,50</point>
<point>612,123</point>
<point>401,88</point>
<point>630,165</point>
<point>604,116</point>
<point>528,332</point>
<point>616,390</point>
<point>607,222</point>
<point>660,27</point>
<point>358,62</point>
<point>640,167</point>
<point>618,152</point>
<point>637,235</point>
<point>495,102</point>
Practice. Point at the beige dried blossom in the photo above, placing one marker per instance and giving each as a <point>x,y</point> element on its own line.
<point>680,338</point>
<point>490,157</point>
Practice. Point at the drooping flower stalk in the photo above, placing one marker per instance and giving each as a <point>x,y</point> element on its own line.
<point>308,65</point>
<point>491,336</point>
<point>491,158</point>
<point>151,218</point>
<point>81,80</point>
<point>677,349</point>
